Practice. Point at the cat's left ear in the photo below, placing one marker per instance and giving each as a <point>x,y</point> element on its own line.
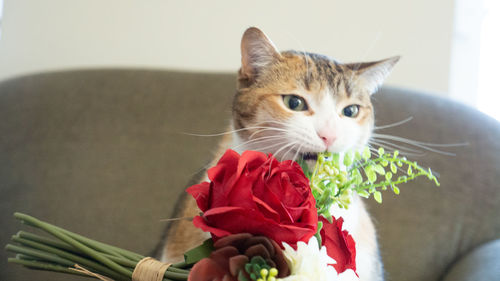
<point>371,75</point>
<point>257,51</point>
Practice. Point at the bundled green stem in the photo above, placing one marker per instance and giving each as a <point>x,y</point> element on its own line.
<point>71,249</point>
<point>335,177</point>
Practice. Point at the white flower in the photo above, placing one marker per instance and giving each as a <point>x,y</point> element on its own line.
<point>310,263</point>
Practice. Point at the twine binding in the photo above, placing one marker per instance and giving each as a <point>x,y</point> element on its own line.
<point>149,269</point>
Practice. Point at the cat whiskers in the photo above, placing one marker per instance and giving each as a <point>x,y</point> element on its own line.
<point>299,134</point>
<point>392,147</point>
<point>296,153</point>
<point>392,143</point>
<point>251,142</point>
<point>292,144</point>
<point>265,148</point>
<point>275,155</point>
<point>266,129</point>
<point>395,124</point>
<point>228,132</point>
<point>282,124</point>
<point>289,150</point>
<point>423,145</point>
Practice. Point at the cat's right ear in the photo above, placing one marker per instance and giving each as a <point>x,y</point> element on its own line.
<point>257,51</point>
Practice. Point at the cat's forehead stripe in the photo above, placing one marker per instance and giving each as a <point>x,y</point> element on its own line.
<point>320,69</point>
<point>324,69</point>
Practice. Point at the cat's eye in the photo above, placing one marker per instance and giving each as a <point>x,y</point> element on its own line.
<point>351,111</point>
<point>295,103</point>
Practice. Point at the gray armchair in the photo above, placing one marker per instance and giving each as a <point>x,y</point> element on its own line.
<point>102,153</point>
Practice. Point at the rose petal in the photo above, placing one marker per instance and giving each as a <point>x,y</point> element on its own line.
<point>202,224</point>
<point>256,224</point>
<point>339,244</point>
<point>266,210</point>
<point>200,194</point>
<point>225,168</point>
<point>253,159</point>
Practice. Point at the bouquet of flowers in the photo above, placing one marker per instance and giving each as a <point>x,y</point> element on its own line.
<point>269,220</point>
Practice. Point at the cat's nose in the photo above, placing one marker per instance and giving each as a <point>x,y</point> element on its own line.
<point>327,136</point>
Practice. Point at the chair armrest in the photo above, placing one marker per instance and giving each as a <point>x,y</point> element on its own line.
<point>482,264</point>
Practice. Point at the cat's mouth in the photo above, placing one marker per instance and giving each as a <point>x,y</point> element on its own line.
<point>310,156</point>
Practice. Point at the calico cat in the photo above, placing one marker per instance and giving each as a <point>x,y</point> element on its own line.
<point>295,104</point>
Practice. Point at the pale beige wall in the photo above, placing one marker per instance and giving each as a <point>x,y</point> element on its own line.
<point>204,35</point>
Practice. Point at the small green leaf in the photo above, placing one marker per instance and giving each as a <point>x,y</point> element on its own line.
<point>256,267</point>
<point>363,193</point>
<point>335,157</point>
<point>395,189</point>
<point>379,169</point>
<point>372,189</point>
<point>403,179</point>
<point>320,225</point>
<point>318,235</point>
<point>381,151</point>
<point>388,176</point>
<point>196,254</point>
<point>370,174</point>
<point>329,219</point>
<point>366,153</point>
<point>410,171</point>
<point>358,179</point>
<point>394,169</point>
<point>348,157</point>
<point>241,276</point>
<point>378,196</point>
<point>357,156</point>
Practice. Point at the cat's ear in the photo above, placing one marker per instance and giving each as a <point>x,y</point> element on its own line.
<point>257,51</point>
<point>371,75</point>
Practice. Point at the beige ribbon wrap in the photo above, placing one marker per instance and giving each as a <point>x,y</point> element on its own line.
<point>147,269</point>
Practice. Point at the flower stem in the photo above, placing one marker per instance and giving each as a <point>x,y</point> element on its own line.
<point>74,259</point>
<point>71,248</point>
<point>44,266</point>
<point>55,231</point>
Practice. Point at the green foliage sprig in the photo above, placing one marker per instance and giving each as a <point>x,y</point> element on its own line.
<point>336,177</point>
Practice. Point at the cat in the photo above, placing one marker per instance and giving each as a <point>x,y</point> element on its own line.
<point>295,104</point>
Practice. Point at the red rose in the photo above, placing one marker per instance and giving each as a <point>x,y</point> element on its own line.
<point>339,244</point>
<point>257,194</point>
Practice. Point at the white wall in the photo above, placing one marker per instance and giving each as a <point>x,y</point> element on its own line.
<point>204,35</point>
